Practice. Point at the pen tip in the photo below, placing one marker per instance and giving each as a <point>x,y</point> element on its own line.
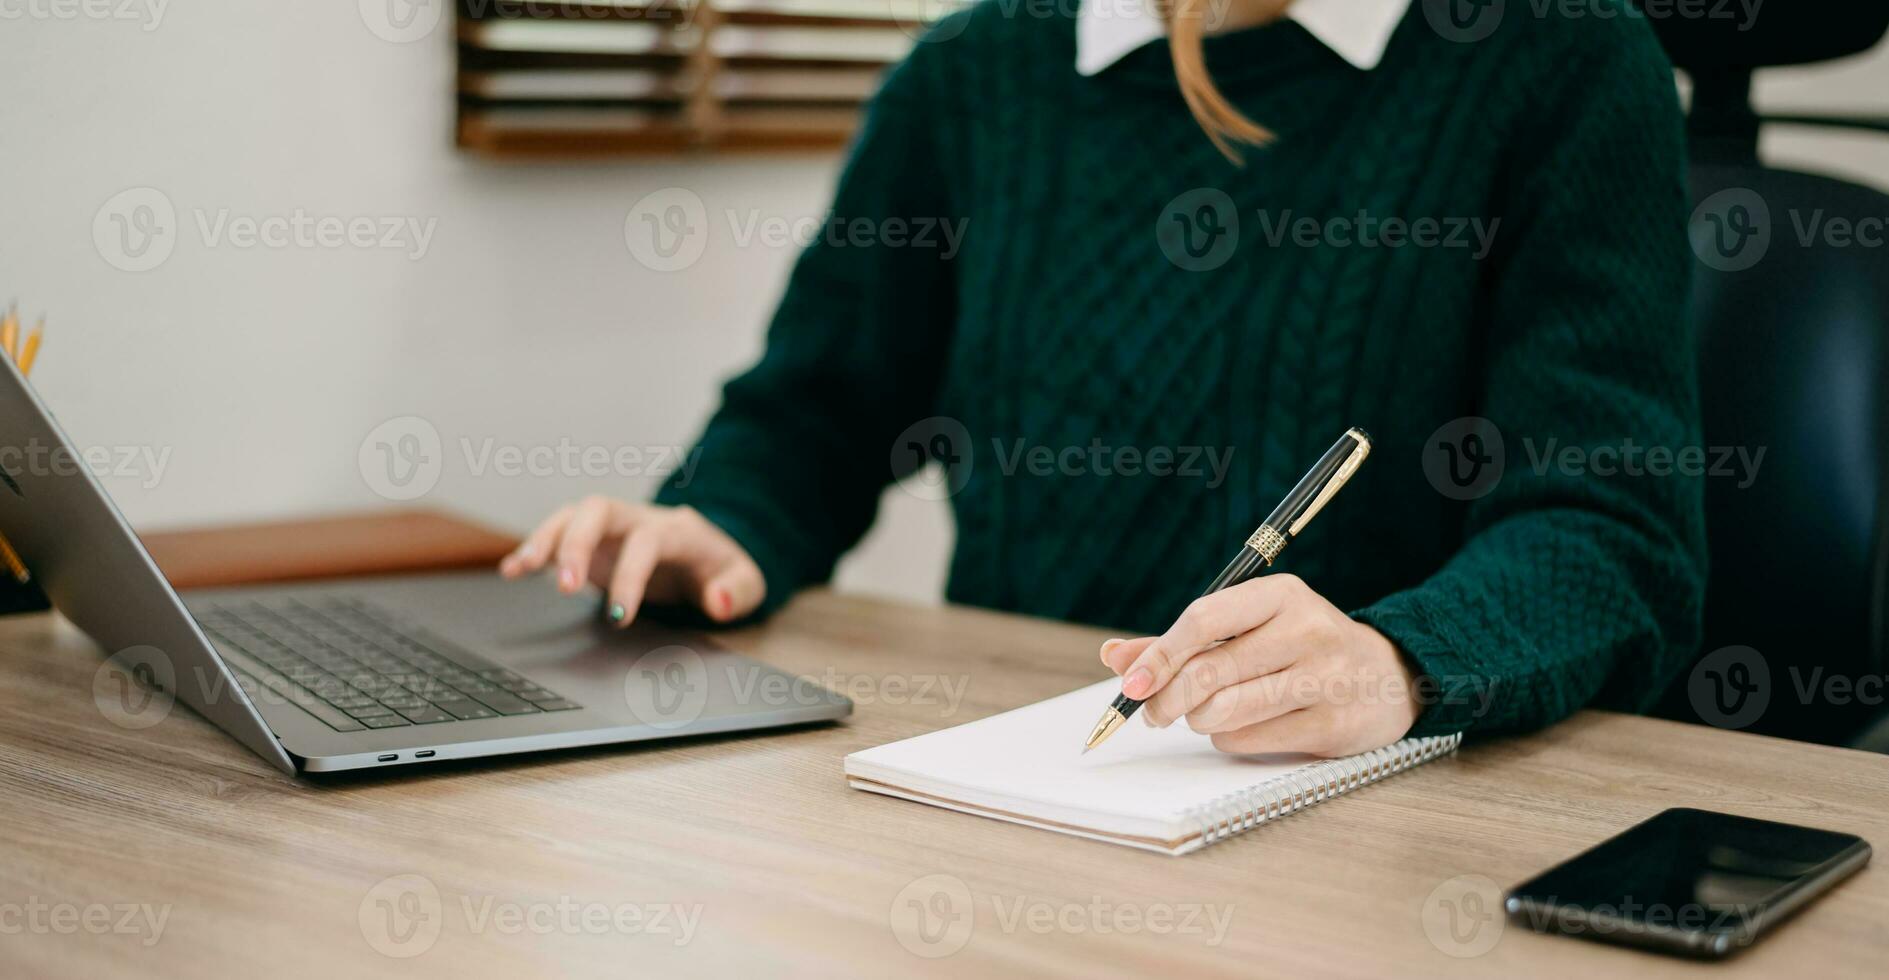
<point>1111,720</point>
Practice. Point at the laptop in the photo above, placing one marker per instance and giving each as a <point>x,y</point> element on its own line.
<point>365,673</point>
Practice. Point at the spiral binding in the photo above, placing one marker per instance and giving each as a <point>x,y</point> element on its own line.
<point>1242,810</point>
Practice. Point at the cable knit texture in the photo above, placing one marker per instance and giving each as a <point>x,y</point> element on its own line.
<point>1065,325</point>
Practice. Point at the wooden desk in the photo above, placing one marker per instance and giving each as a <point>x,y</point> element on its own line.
<point>791,872</point>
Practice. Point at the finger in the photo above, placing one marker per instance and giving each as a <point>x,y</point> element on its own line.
<point>1209,672</point>
<point>1118,654</point>
<point>734,592</point>
<point>1207,621</point>
<point>703,566</point>
<point>1249,703</point>
<point>630,579</point>
<point>588,524</point>
<point>1307,730</point>
<point>531,555</point>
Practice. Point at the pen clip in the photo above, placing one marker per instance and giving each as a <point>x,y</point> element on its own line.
<point>1331,487</point>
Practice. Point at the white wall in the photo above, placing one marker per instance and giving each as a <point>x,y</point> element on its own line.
<point>261,370</point>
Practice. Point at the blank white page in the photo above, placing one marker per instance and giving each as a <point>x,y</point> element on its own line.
<point>1029,764</point>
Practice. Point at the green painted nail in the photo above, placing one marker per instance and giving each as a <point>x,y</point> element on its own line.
<point>617,612</point>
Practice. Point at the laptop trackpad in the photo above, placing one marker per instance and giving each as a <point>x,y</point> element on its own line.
<point>648,673</point>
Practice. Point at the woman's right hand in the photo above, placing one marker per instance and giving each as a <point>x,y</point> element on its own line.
<point>641,552</point>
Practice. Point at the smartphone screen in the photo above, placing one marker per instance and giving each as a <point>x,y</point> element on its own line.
<point>1688,881</point>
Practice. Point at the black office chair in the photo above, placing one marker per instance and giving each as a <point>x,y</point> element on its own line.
<point>1794,355</point>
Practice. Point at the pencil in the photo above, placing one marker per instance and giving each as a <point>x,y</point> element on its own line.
<point>31,350</point>
<point>13,563</point>
<point>9,336</point>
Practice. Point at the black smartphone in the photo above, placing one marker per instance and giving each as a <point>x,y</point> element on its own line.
<point>1691,882</point>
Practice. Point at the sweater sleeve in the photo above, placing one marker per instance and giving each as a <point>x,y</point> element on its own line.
<point>793,462</point>
<point>1577,584</point>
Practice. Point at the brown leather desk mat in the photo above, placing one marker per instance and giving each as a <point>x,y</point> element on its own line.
<point>338,546</point>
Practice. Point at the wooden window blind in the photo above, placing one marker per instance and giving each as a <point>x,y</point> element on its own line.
<point>567,78</point>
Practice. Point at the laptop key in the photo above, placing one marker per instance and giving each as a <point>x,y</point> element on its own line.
<point>277,687</point>
<point>331,717</point>
<point>432,690</point>
<point>368,667</point>
<point>506,704</point>
<point>467,710</point>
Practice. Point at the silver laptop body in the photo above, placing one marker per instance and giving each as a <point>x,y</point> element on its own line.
<point>355,674</point>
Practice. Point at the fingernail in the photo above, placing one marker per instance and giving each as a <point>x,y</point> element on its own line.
<point>617,612</point>
<point>1138,684</point>
<point>1108,645</point>
<point>567,579</point>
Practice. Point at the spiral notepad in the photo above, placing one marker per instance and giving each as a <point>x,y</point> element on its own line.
<point>1164,789</point>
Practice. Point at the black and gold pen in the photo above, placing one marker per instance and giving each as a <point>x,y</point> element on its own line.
<point>1311,495</point>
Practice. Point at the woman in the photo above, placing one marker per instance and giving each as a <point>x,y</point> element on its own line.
<point>1355,213</point>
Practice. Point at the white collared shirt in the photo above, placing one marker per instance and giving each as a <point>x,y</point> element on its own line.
<point>1357,30</point>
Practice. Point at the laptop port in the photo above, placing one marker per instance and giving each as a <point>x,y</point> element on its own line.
<point>389,757</point>
<point>427,754</point>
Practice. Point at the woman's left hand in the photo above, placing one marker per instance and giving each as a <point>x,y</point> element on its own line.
<point>1294,673</point>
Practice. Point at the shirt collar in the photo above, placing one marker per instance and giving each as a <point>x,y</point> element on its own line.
<point>1357,30</point>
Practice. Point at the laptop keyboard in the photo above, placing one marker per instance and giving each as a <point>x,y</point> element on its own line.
<point>357,667</point>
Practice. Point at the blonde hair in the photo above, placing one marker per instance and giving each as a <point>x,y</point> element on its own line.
<point>1225,125</point>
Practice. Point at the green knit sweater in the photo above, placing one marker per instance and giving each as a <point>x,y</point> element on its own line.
<point>1128,348</point>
